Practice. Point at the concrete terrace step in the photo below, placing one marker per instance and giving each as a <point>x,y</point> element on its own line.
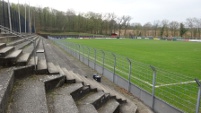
<point>19,40</point>
<point>22,45</point>
<point>32,62</point>
<point>52,69</point>
<point>87,108</point>
<point>60,70</point>
<point>2,45</point>
<point>28,96</point>
<point>128,107</point>
<point>111,106</point>
<point>14,54</point>
<point>60,100</point>
<point>30,48</point>
<point>96,99</point>
<point>23,59</point>
<point>5,51</point>
<point>70,78</point>
<point>6,85</point>
<point>61,103</point>
<point>42,66</point>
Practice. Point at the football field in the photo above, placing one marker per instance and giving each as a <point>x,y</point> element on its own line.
<point>177,64</point>
<point>174,56</point>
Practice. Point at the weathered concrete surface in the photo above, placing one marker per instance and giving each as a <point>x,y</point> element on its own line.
<point>60,100</point>
<point>14,54</point>
<point>5,51</point>
<point>23,58</point>
<point>87,108</point>
<point>28,96</point>
<point>2,45</point>
<point>91,98</point>
<point>110,107</point>
<point>52,69</point>
<point>32,62</point>
<point>6,84</point>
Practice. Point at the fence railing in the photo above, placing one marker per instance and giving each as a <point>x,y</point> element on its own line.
<point>163,91</point>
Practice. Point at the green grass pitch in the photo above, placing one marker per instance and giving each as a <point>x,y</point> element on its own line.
<point>174,56</point>
<point>183,58</point>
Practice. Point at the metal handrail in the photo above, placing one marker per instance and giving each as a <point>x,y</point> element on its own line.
<point>20,36</point>
<point>8,30</point>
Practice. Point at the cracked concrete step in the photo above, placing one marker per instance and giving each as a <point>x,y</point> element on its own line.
<point>18,41</point>
<point>128,107</point>
<point>52,69</point>
<point>60,70</point>
<point>96,99</point>
<point>111,106</point>
<point>6,85</point>
<point>60,99</point>
<point>104,88</point>
<point>30,48</point>
<point>42,63</point>
<point>28,96</point>
<point>87,108</point>
<point>61,103</point>
<point>42,66</point>
<point>5,51</point>
<point>70,78</point>
<point>32,62</point>
<point>22,45</point>
<point>2,45</point>
<point>77,78</point>
<point>14,54</point>
<point>23,59</point>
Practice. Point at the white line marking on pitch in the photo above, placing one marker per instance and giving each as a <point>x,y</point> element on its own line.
<point>179,83</point>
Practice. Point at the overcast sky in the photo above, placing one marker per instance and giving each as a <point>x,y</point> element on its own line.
<point>140,10</point>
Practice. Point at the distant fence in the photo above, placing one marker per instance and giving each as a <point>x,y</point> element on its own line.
<point>163,91</point>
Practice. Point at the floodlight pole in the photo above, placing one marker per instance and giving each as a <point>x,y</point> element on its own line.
<point>9,17</point>
<point>19,17</point>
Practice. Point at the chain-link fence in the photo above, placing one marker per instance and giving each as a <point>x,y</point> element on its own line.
<point>161,90</point>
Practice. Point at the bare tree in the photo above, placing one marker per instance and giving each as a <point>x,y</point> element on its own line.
<point>174,25</point>
<point>120,24</point>
<point>197,27</point>
<point>164,28</point>
<point>190,25</point>
<point>126,23</point>
<point>147,26</point>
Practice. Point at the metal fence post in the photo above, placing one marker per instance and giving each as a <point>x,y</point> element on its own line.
<point>83,54</point>
<point>79,51</point>
<point>35,55</point>
<point>94,58</point>
<point>103,61</point>
<point>153,85</point>
<point>198,98</point>
<point>88,54</point>
<point>129,74</point>
<point>114,67</point>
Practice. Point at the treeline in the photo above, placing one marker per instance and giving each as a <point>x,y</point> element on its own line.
<point>51,20</point>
